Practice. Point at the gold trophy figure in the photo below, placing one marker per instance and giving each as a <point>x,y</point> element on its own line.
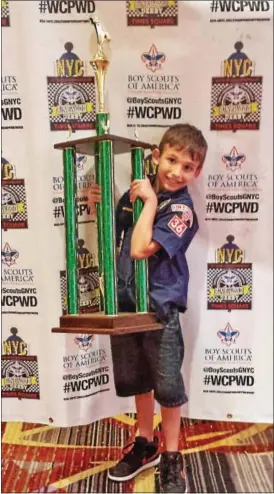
<point>100,61</point>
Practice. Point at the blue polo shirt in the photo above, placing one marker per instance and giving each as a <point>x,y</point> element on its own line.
<point>174,227</point>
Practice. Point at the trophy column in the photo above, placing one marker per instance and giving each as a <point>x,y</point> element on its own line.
<point>103,168</point>
<point>101,118</point>
<point>141,283</point>
<point>108,236</point>
<point>71,230</point>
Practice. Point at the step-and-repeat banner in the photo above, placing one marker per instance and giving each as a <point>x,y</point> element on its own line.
<point>206,63</point>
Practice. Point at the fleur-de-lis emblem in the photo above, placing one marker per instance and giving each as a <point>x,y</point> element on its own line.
<point>153,59</point>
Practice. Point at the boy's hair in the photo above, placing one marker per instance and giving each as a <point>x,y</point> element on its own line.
<point>188,138</point>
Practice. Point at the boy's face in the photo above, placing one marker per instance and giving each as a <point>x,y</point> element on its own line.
<point>176,168</point>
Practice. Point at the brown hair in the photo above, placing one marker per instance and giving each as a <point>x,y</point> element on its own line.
<point>188,138</point>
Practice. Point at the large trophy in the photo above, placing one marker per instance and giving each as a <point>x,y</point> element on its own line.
<point>102,146</point>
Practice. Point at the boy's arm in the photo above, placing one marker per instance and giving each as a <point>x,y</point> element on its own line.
<point>142,245</point>
<point>172,229</point>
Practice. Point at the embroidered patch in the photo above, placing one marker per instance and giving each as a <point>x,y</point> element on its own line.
<point>187,214</point>
<point>177,225</point>
<point>163,204</point>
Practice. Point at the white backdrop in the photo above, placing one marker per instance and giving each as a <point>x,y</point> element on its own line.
<point>228,365</point>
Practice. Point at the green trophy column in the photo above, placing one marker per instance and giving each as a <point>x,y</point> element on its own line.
<point>141,283</point>
<point>70,197</point>
<point>101,122</point>
<point>108,236</point>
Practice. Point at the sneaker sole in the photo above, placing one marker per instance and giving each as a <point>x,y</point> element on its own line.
<point>141,469</point>
<point>185,492</point>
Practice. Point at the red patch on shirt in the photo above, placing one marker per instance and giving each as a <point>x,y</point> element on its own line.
<point>187,214</point>
<point>177,225</point>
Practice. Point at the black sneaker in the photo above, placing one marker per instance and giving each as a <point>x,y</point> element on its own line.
<point>141,456</point>
<point>172,478</point>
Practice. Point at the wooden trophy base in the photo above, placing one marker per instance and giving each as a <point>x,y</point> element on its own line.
<point>99,323</point>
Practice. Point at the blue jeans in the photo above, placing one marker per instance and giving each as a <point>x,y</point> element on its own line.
<point>151,360</point>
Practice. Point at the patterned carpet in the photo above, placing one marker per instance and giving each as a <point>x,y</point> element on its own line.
<point>219,457</point>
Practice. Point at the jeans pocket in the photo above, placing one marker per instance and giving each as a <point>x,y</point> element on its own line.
<point>172,343</point>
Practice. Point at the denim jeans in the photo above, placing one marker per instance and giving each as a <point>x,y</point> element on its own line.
<point>151,360</point>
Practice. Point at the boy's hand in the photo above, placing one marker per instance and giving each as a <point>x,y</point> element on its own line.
<point>94,195</point>
<point>142,189</point>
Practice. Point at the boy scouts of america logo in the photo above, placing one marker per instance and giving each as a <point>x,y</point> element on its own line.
<point>236,95</point>
<point>5,15</point>
<point>9,256</point>
<point>71,94</point>
<point>229,280</point>
<point>153,59</point>
<point>228,335</point>
<point>233,160</point>
<point>80,162</point>
<point>152,13</point>
<point>84,341</point>
<point>14,204</point>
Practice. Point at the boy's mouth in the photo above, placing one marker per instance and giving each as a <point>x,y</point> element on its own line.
<point>175,183</point>
<point>170,184</point>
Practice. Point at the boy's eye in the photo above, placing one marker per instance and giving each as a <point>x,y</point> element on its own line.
<point>171,160</point>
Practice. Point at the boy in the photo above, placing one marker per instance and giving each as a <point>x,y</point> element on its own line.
<point>148,365</point>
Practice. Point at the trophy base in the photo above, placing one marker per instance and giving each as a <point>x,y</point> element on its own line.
<point>99,323</point>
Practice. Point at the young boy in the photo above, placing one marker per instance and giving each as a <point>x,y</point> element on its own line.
<point>148,365</point>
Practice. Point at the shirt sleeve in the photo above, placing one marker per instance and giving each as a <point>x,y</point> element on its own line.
<point>123,216</point>
<point>175,227</point>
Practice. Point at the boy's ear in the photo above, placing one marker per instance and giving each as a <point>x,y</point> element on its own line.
<point>198,171</point>
<point>155,156</point>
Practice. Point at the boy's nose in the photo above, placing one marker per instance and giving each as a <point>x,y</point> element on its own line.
<point>176,175</point>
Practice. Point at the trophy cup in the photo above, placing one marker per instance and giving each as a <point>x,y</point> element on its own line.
<point>103,146</point>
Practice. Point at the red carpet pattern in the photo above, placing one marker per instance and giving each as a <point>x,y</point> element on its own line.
<point>219,456</point>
